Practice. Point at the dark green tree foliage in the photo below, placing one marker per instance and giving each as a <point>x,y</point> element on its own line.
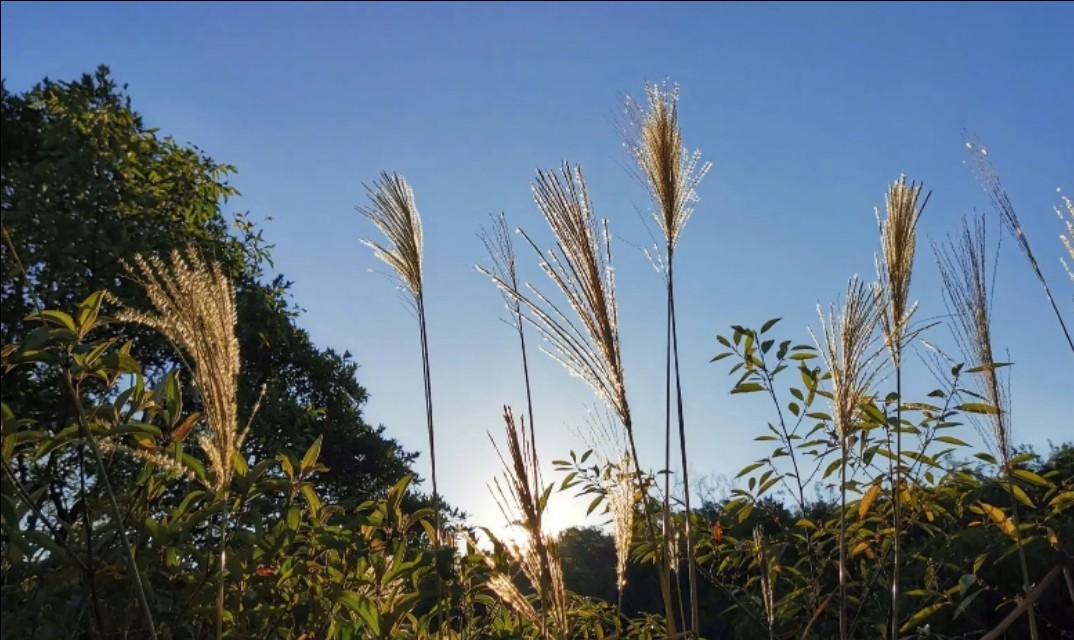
<point>86,184</point>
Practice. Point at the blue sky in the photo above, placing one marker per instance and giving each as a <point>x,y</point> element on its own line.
<point>806,111</point>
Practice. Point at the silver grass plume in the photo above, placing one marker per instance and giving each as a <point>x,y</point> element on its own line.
<point>580,265</point>
<point>963,267</point>
<point>895,264</point>
<point>193,305</point>
<point>672,174</point>
<point>523,507</point>
<point>848,348</point>
<point>1067,218</point>
<point>670,171</point>
<point>981,163</point>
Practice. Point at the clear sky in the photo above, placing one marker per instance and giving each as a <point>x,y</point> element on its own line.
<point>806,111</point>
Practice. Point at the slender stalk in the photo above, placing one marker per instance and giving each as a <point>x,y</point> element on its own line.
<point>695,617</point>
<point>1001,202</point>
<point>843,542</point>
<point>666,510</point>
<point>896,500</point>
<point>426,375</point>
<point>220,577</point>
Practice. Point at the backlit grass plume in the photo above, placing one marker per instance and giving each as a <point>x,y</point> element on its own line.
<point>523,507</point>
<point>672,174</point>
<point>895,267</point>
<point>963,264</point>
<point>981,163</point>
<point>193,305</point>
<point>580,266</point>
<point>613,456</point>
<point>847,345</point>
<point>1066,216</point>
<point>394,211</point>
<point>504,264</point>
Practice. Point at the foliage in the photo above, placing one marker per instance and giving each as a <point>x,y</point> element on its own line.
<point>113,525</point>
<point>86,185</point>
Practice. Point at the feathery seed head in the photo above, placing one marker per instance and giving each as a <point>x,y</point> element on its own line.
<point>898,239</point>
<point>1068,238</point>
<point>580,266</point>
<point>394,212</point>
<point>670,171</point>
<point>194,306</point>
<point>847,345</point>
<point>963,264</point>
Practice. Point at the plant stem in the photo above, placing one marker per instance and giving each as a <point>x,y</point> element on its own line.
<point>843,543</point>
<point>432,441</point>
<point>1033,633</point>
<point>896,503</point>
<point>666,511</point>
<point>661,555</point>
<point>695,623</point>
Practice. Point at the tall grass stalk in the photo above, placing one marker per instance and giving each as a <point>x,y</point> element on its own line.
<point>981,164</point>
<point>671,174</point>
<point>848,347</point>
<point>580,266</point>
<point>895,267</point>
<point>963,264</point>
<point>193,304</point>
<point>613,455</point>
<point>504,263</point>
<point>521,505</point>
<point>394,211</point>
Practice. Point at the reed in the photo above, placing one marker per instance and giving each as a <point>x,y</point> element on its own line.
<point>671,174</point>
<point>613,455</point>
<point>848,347</point>
<point>504,263</point>
<point>981,163</point>
<point>394,212</point>
<point>579,264</point>
<point>521,505</point>
<point>193,305</point>
<point>963,264</point>
<point>895,267</point>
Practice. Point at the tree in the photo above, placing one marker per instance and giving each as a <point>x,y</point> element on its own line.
<point>87,184</point>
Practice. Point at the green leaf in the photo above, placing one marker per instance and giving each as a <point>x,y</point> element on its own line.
<point>769,324</point>
<point>593,505</point>
<point>310,458</point>
<point>747,387</point>
<point>921,615</point>
<point>1032,478</point>
<point>57,318</point>
<point>750,467</point>
<point>1020,495</point>
<point>365,609</point>
<point>961,608</point>
<point>978,407</point>
<point>952,440</point>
